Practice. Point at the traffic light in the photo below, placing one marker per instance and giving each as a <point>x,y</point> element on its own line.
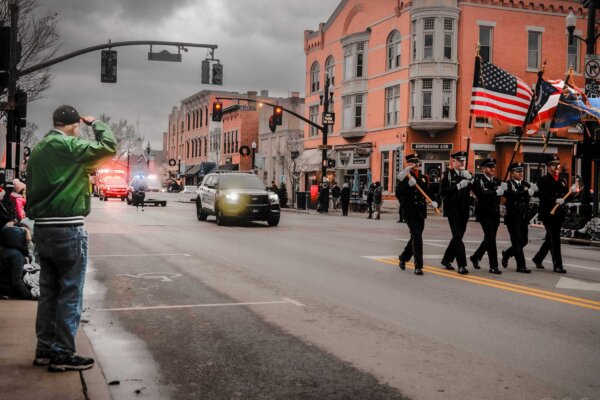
<point>272,125</point>
<point>20,108</point>
<point>217,74</point>
<point>278,115</point>
<point>205,77</point>
<point>4,48</point>
<point>217,111</point>
<point>108,66</point>
<point>330,163</point>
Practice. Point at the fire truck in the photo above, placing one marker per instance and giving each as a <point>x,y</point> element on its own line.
<point>109,183</point>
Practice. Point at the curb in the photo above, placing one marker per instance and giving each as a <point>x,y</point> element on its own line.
<point>580,242</point>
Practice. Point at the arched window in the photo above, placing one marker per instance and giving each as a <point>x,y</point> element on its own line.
<point>393,50</point>
<point>330,70</point>
<point>314,77</point>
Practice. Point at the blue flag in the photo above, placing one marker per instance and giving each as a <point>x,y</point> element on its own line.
<point>572,109</point>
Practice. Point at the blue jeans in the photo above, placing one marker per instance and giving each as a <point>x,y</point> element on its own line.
<point>63,260</point>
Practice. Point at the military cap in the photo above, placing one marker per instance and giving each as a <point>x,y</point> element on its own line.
<point>518,166</point>
<point>552,160</point>
<point>413,158</point>
<point>488,162</point>
<point>459,155</point>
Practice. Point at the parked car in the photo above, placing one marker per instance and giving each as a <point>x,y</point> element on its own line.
<point>236,196</point>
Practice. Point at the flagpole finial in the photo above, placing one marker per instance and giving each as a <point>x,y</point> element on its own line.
<point>477,49</point>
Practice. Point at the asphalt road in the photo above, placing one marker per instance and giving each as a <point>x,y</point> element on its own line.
<point>317,308</point>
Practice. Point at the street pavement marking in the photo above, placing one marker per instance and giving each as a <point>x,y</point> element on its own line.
<point>569,283</point>
<point>561,298</point>
<point>141,255</point>
<point>284,300</point>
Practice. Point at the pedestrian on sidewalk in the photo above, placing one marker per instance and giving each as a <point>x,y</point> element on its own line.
<point>324,198</point>
<point>377,199</point>
<point>58,200</point>
<point>345,197</point>
<point>370,200</point>
<point>335,195</point>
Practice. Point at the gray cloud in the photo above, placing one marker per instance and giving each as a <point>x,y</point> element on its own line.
<point>260,44</point>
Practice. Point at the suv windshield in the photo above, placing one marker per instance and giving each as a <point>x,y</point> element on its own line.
<point>114,181</point>
<point>241,181</point>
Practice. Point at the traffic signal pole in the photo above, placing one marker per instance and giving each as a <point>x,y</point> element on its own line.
<point>325,131</point>
<point>11,129</point>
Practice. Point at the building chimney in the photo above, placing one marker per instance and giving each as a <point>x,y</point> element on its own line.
<point>264,93</point>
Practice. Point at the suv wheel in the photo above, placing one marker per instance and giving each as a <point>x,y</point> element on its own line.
<point>199,214</point>
<point>220,218</point>
<point>273,221</point>
<point>128,201</point>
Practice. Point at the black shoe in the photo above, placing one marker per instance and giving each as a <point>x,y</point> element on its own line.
<point>524,270</point>
<point>495,270</point>
<point>65,362</point>
<point>560,270</point>
<point>463,270</point>
<point>475,262</point>
<point>402,265</point>
<point>539,265</point>
<point>504,261</point>
<point>42,358</point>
<point>418,271</point>
<point>447,265</point>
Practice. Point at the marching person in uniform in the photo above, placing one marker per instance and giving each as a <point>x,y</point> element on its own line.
<point>456,190</point>
<point>517,193</point>
<point>414,210</point>
<point>488,189</point>
<point>552,189</point>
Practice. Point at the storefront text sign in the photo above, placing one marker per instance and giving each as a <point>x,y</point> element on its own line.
<point>432,146</point>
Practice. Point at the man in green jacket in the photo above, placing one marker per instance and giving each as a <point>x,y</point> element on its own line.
<point>58,199</point>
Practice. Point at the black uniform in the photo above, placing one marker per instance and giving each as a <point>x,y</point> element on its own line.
<point>414,212</point>
<point>517,222</point>
<point>456,208</point>
<point>487,211</point>
<point>345,197</point>
<point>551,189</point>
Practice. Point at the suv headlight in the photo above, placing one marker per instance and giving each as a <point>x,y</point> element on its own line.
<point>273,198</point>
<point>232,197</point>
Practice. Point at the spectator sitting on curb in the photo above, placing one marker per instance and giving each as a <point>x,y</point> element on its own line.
<point>17,280</point>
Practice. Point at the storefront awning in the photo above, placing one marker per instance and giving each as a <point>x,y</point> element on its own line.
<point>206,167</point>
<point>309,160</point>
<point>229,167</point>
<point>192,170</point>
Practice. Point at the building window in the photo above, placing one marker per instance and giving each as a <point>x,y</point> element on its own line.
<point>237,147</point>
<point>392,105</point>
<point>330,70</point>
<point>352,111</point>
<point>313,116</point>
<point>413,42</point>
<point>448,38</point>
<point>385,169</point>
<point>393,50</point>
<point>428,33</point>
<point>429,24</point>
<point>314,77</point>
<point>573,55</point>
<point>485,42</point>
<point>534,47</point>
<point>426,103</point>
<point>446,97</point>
<point>354,60</point>
<point>483,122</point>
<point>200,117</point>
<point>412,99</point>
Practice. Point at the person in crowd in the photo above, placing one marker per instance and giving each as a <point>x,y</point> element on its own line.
<point>324,198</point>
<point>345,198</point>
<point>274,187</point>
<point>456,189</point>
<point>377,199</point>
<point>414,210</point>
<point>488,189</point>
<point>552,190</point>
<point>370,200</point>
<point>517,193</point>
<point>17,197</point>
<point>335,195</point>
<point>58,201</point>
<point>15,253</point>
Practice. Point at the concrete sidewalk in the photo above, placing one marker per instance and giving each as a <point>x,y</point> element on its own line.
<point>19,379</point>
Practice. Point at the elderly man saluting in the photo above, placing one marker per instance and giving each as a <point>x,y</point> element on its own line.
<point>58,199</point>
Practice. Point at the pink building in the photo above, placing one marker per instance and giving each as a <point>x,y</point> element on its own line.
<point>402,74</point>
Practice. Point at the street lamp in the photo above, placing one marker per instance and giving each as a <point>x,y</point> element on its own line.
<point>253,153</point>
<point>327,98</point>
<point>590,134</point>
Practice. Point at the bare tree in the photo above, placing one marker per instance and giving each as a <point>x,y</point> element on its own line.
<point>29,135</point>
<point>291,161</point>
<point>128,139</point>
<point>38,36</point>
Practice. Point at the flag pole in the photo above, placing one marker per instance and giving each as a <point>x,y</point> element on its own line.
<point>521,129</point>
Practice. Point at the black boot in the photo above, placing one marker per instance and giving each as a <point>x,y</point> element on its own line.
<point>495,270</point>
<point>463,270</point>
<point>418,271</point>
<point>447,265</point>
<point>402,264</point>
<point>475,262</point>
<point>504,261</point>
<point>538,265</point>
<point>560,270</point>
<point>524,270</point>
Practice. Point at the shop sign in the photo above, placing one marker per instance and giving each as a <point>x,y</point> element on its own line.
<point>348,159</point>
<point>432,146</point>
<point>399,159</point>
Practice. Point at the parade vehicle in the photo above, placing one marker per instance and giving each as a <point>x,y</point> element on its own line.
<point>151,184</point>
<point>110,183</point>
<point>238,196</point>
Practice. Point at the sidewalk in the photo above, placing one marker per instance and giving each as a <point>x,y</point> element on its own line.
<point>20,380</point>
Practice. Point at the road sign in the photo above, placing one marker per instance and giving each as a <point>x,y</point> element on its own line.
<point>592,66</point>
<point>324,147</point>
<point>328,118</point>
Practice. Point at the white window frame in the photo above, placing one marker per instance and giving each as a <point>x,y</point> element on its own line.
<point>483,122</point>
<point>447,96</point>
<point>426,92</point>
<point>355,59</point>
<point>413,42</point>
<point>489,46</point>
<point>449,38</point>
<point>426,34</point>
<point>315,71</point>
<point>393,51</point>
<point>385,177</point>
<point>534,52</point>
<point>313,116</point>
<point>392,105</point>
<point>412,99</point>
<point>576,57</point>
<point>330,70</point>
<point>350,106</point>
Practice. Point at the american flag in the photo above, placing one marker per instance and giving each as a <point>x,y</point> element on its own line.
<point>498,94</point>
<point>545,103</point>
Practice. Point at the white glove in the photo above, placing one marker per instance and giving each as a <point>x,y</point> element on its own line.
<point>499,191</point>
<point>573,188</point>
<point>466,174</point>
<point>462,184</point>
<point>533,187</point>
<point>434,204</point>
<point>560,201</point>
<point>504,186</point>
<point>412,181</point>
<point>404,173</point>
<point>531,191</point>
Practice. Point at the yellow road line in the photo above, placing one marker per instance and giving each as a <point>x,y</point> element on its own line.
<point>576,301</point>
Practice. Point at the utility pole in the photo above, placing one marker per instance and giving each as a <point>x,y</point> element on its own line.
<point>326,99</point>
<point>11,129</point>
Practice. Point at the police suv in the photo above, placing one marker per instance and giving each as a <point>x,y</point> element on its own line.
<point>236,196</point>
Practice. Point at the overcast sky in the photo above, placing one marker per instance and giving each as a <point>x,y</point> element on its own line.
<point>260,45</point>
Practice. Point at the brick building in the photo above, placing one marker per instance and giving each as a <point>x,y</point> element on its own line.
<point>402,76</point>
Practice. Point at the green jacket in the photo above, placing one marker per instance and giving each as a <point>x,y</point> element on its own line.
<point>58,183</point>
